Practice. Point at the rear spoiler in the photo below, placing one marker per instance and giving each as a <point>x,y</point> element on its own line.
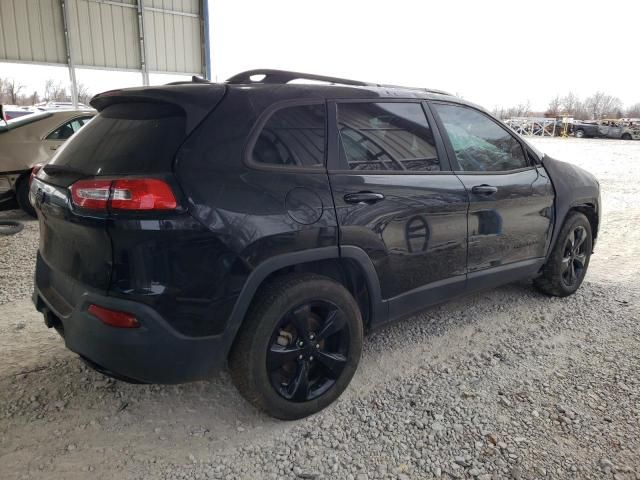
<point>195,99</point>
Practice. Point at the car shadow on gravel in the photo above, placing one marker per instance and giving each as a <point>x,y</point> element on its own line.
<point>66,404</point>
<point>67,386</point>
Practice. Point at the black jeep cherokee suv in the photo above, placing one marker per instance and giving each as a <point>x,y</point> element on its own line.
<point>268,223</point>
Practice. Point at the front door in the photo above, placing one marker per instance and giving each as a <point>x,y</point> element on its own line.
<point>511,197</point>
<point>397,199</point>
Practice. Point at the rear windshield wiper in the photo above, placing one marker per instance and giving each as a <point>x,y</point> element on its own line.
<point>53,169</point>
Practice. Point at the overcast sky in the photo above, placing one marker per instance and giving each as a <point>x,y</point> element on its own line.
<point>494,53</point>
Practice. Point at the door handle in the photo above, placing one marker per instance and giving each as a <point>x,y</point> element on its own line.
<point>484,189</point>
<point>363,197</point>
<point>54,147</point>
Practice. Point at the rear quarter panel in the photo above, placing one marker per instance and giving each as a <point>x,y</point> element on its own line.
<point>251,214</point>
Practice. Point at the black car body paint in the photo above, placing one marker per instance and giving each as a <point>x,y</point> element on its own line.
<point>190,274</point>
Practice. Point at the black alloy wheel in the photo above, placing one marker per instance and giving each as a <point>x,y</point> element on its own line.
<point>567,264</point>
<point>298,347</point>
<point>308,351</point>
<point>575,256</point>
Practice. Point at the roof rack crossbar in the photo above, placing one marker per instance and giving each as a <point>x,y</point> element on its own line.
<point>284,76</point>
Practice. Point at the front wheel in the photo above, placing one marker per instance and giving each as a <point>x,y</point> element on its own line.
<point>567,264</point>
<point>626,136</point>
<point>298,347</point>
<point>579,133</point>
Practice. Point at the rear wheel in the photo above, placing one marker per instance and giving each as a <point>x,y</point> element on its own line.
<point>299,346</point>
<point>22,195</point>
<point>568,262</point>
<point>579,133</point>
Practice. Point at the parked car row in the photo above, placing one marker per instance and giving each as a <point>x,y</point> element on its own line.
<point>607,128</point>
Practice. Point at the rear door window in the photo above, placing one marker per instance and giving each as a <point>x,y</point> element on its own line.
<point>64,131</point>
<point>479,143</point>
<point>293,136</point>
<point>385,136</point>
<point>127,138</point>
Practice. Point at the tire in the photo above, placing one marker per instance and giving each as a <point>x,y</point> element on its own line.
<point>279,325</point>
<point>626,136</point>
<point>568,262</point>
<point>579,133</point>
<point>22,196</point>
<point>10,227</point>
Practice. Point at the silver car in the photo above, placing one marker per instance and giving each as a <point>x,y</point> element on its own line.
<point>31,140</point>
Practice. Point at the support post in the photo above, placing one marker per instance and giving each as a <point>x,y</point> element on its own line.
<point>67,41</point>
<point>206,63</point>
<point>143,48</point>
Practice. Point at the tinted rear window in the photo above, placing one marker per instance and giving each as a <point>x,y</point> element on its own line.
<point>293,137</point>
<point>127,138</point>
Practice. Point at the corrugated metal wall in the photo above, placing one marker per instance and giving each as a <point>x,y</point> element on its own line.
<point>173,39</point>
<point>32,31</point>
<point>104,33</point>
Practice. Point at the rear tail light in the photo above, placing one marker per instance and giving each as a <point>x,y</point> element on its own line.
<point>91,194</point>
<point>123,194</point>
<point>141,194</point>
<point>34,171</point>
<point>113,318</point>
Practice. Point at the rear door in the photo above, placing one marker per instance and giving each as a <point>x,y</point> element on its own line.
<point>603,129</point>
<point>397,199</point>
<point>511,196</point>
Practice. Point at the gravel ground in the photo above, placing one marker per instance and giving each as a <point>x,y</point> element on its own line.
<point>503,384</point>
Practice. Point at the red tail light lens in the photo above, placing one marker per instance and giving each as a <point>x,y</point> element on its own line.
<point>113,318</point>
<point>141,194</point>
<point>123,194</point>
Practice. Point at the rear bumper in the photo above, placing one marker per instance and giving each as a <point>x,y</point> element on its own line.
<point>152,353</point>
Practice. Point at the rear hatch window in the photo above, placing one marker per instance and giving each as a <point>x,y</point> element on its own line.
<point>126,138</point>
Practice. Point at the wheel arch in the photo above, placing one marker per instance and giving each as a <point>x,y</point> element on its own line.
<point>590,211</point>
<point>349,266</point>
<point>575,190</point>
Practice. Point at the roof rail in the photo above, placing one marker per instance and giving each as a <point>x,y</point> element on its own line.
<point>284,76</point>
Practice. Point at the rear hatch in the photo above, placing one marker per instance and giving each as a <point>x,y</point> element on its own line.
<point>109,170</point>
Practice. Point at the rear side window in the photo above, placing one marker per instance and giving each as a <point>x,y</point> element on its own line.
<point>292,137</point>
<point>386,136</point>
<point>127,138</point>
<point>479,143</point>
<point>64,131</point>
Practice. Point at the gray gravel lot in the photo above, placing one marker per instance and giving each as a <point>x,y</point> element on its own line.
<point>504,384</point>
